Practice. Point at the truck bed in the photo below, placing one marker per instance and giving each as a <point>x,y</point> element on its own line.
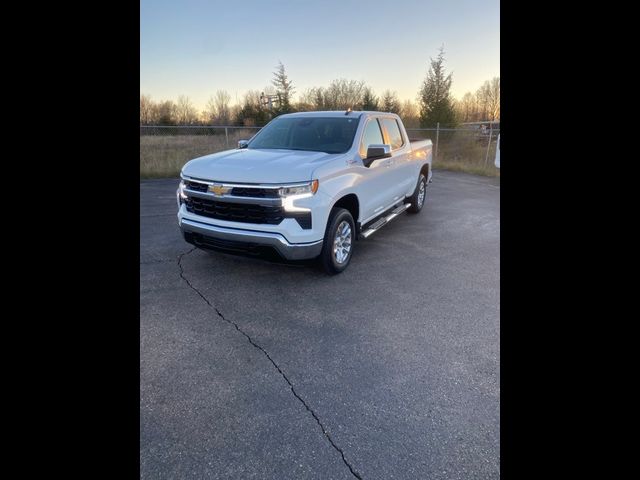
<point>420,143</point>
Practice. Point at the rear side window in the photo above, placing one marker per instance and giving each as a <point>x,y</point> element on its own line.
<point>393,131</point>
<point>372,135</point>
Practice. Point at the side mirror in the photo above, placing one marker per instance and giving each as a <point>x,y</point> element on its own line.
<point>376,152</point>
<point>243,143</point>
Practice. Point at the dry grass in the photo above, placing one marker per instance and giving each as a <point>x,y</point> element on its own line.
<point>463,151</point>
<point>164,156</point>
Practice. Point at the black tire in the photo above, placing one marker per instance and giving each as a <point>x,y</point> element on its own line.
<point>416,204</point>
<point>328,258</point>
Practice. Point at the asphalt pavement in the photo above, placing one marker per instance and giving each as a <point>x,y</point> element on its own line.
<point>251,369</point>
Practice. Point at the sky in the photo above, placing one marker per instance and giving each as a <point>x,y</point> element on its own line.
<point>195,47</point>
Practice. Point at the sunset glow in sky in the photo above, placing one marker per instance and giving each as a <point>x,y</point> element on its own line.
<point>194,47</point>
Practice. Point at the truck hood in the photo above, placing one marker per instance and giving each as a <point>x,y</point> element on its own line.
<point>257,166</point>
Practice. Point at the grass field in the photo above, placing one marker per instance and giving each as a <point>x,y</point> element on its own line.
<point>462,151</point>
<point>164,156</point>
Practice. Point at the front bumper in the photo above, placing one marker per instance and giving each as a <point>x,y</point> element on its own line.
<point>232,239</point>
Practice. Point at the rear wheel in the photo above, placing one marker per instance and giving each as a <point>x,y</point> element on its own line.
<point>419,195</point>
<point>338,241</point>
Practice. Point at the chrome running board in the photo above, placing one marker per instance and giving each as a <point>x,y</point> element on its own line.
<point>378,224</point>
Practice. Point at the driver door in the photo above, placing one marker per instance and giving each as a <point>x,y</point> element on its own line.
<point>376,187</point>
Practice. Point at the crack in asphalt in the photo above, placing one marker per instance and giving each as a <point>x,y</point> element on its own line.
<point>162,260</point>
<point>277,367</point>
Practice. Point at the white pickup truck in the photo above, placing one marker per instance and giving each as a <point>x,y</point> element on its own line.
<point>307,185</point>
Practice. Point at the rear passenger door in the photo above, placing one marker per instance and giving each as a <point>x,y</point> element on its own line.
<point>401,174</point>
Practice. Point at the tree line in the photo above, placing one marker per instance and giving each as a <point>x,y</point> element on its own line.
<point>434,105</point>
<point>482,105</point>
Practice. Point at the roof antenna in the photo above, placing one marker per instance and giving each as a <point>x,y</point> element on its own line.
<point>348,111</point>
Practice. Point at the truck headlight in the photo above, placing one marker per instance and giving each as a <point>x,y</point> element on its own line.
<point>308,188</point>
<point>290,194</point>
<point>181,195</point>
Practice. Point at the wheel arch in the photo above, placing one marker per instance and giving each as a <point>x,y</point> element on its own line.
<point>424,170</point>
<point>351,203</point>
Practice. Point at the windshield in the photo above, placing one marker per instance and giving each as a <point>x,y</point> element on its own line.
<point>315,134</point>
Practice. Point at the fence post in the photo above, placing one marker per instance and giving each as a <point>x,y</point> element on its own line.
<point>226,136</point>
<point>435,155</point>
<point>486,157</point>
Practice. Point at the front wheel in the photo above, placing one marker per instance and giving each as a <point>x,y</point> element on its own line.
<point>419,195</point>
<point>338,241</point>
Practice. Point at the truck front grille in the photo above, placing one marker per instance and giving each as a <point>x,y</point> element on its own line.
<point>196,186</point>
<point>235,212</point>
<point>255,192</point>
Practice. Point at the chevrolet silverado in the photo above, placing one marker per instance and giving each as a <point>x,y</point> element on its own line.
<point>307,185</point>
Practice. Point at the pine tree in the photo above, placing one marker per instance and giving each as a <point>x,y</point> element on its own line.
<point>390,102</point>
<point>284,90</point>
<point>369,101</point>
<point>436,104</point>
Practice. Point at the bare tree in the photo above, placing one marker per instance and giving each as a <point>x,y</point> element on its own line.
<point>252,112</point>
<point>343,94</point>
<point>483,105</point>
<point>186,114</point>
<point>467,108</point>
<point>482,101</point>
<point>146,110</point>
<point>154,118</point>
<point>493,98</point>
<point>315,97</point>
<point>234,113</point>
<point>165,113</point>
<point>219,108</point>
<point>409,109</point>
<point>252,97</point>
<point>409,114</point>
<point>303,106</point>
<point>209,114</point>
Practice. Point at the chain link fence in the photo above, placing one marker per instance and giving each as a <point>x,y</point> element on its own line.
<point>165,149</point>
<point>469,149</point>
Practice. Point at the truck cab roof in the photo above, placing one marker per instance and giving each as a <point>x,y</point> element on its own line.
<point>337,113</point>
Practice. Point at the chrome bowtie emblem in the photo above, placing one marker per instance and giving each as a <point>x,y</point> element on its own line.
<point>219,189</point>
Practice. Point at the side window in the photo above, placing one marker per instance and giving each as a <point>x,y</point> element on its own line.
<point>393,131</point>
<point>371,135</point>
